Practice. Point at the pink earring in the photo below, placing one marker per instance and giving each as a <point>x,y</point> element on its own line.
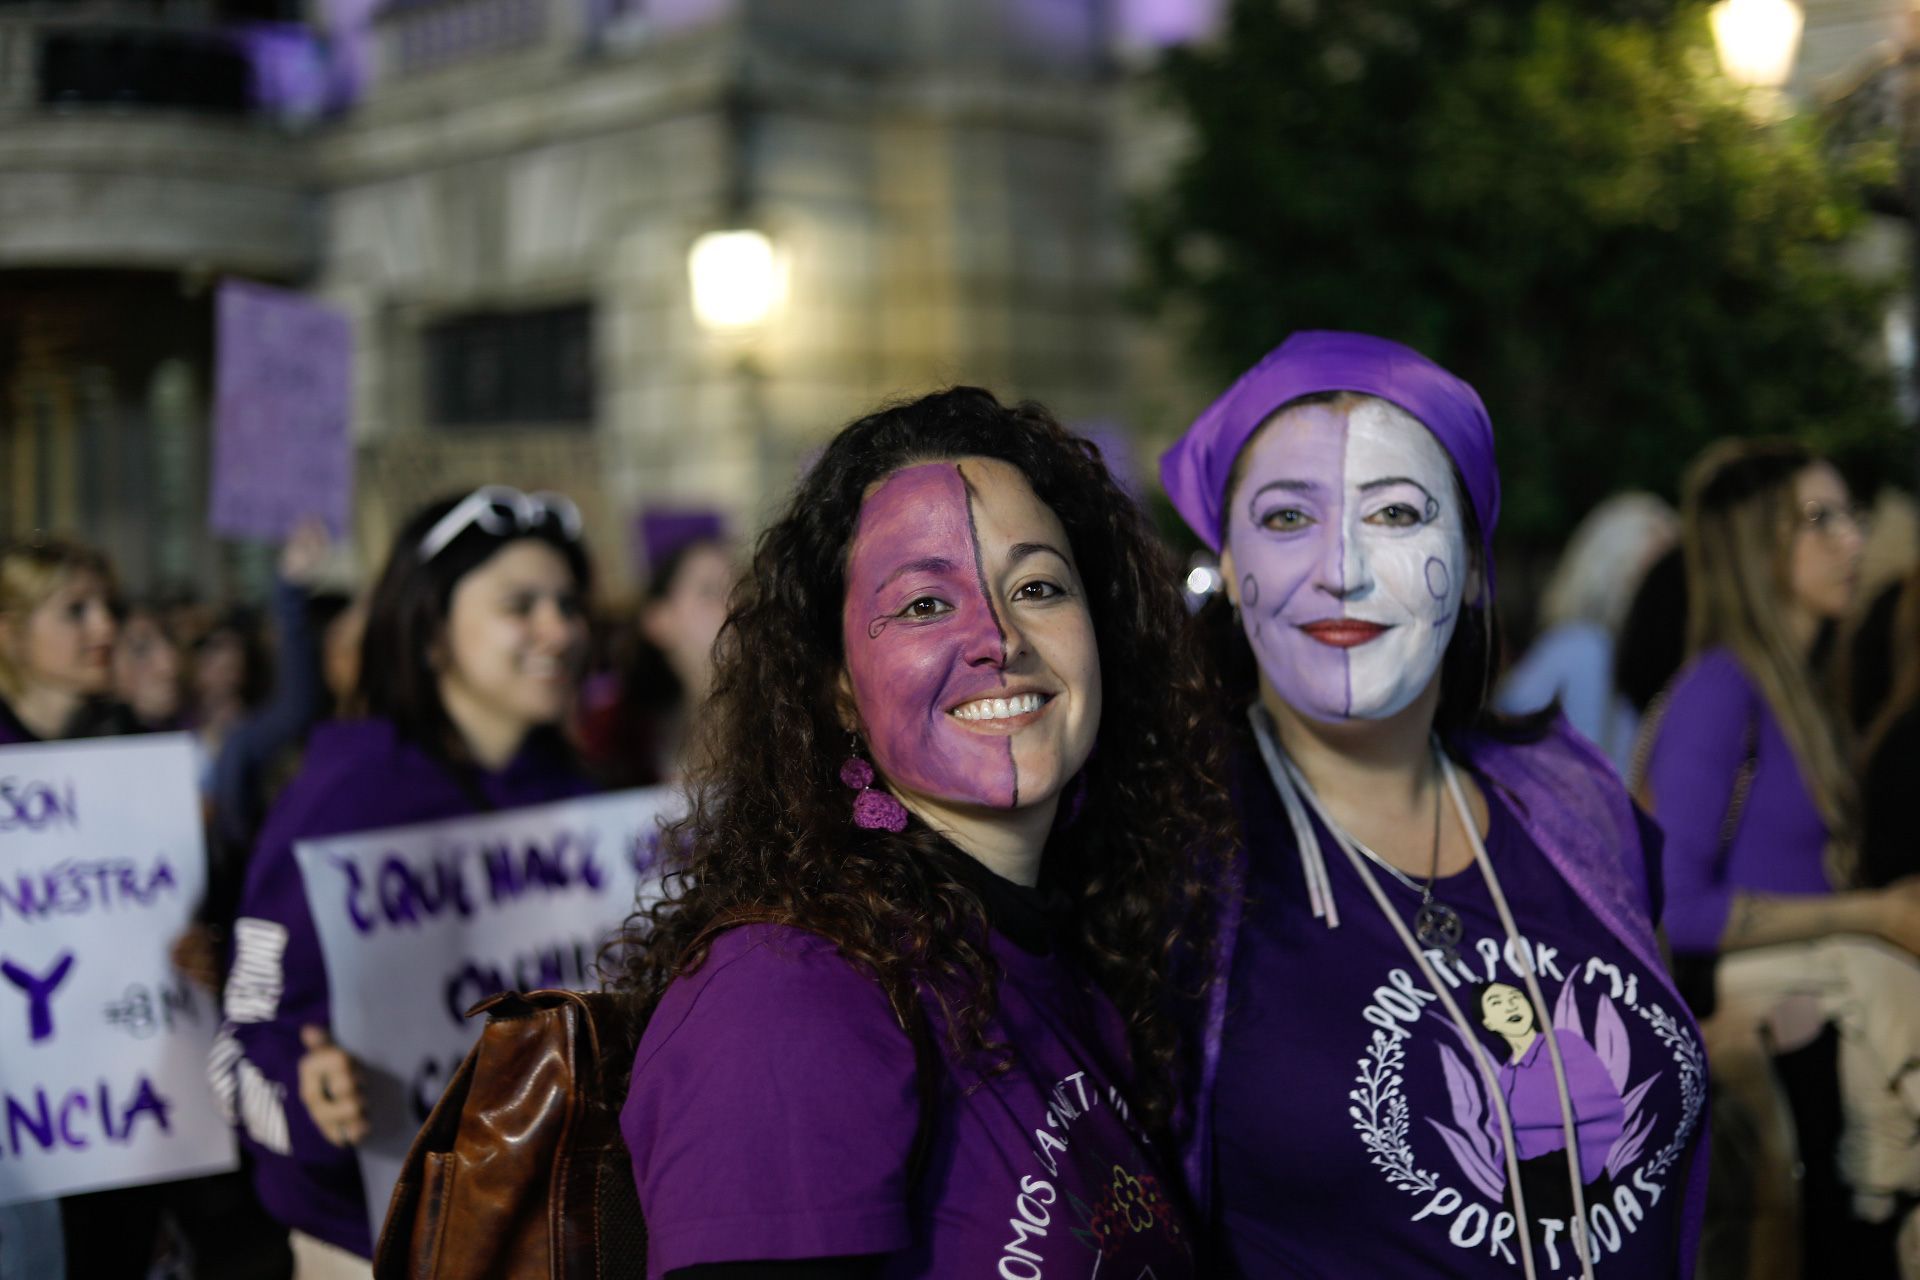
<point>872,810</point>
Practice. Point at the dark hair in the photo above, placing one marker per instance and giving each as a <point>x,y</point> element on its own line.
<point>408,609</point>
<point>324,609</point>
<point>1467,668</point>
<point>648,681</point>
<point>770,836</point>
<point>1477,993</point>
<point>1653,639</point>
<point>242,622</point>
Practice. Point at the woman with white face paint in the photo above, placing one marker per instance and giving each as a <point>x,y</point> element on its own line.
<point>1408,853</point>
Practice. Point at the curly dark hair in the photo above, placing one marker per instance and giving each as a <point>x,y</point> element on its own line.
<point>770,837</point>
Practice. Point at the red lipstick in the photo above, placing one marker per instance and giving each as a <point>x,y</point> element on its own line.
<point>1343,633</point>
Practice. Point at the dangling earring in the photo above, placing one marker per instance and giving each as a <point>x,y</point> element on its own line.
<point>872,810</point>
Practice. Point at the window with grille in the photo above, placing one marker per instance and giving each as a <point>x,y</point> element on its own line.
<point>521,367</point>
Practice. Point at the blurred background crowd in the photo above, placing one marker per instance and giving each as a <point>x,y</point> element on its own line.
<point>650,253</point>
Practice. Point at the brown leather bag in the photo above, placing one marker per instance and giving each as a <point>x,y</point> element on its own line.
<point>520,1171</point>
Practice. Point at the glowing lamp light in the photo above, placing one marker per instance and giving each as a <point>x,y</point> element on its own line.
<point>1203,580</point>
<point>1757,39</point>
<point>738,279</point>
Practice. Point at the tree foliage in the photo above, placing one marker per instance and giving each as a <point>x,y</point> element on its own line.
<point>1562,200</point>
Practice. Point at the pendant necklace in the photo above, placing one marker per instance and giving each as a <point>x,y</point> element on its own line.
<point>1436,926</point>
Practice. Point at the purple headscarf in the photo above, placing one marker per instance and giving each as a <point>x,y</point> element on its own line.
<point>1195,469</point>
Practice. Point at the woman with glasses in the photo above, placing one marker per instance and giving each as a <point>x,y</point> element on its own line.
<point>1748,775</point>
<point>475,635</point>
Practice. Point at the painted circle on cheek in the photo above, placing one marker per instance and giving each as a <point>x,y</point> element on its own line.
<point>1249,592</point>
<point>1438,579</point>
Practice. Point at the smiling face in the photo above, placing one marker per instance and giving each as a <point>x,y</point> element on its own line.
<point>970,651</point>
<point>1504,1010</point>
<point>515,639</point>
<point>1346,553</point>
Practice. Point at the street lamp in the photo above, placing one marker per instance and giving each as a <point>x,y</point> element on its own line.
<point>1757,39</point>
<point>739,280</point>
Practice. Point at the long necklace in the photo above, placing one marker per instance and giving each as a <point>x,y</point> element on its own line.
<point>1297,798</point>
<point>1436,925</point>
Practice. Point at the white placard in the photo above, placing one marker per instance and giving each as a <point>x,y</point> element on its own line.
<point>419,923</point>
<point>103,1043</point>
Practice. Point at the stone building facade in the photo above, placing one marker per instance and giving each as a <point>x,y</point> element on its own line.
<point>506,212</point>
<point>126,190</point>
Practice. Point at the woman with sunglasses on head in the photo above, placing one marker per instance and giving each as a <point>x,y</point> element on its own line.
<point>1748,775</point>
<point>475,634</point>
<point>907,1011</point>
<point>1446,1045</point>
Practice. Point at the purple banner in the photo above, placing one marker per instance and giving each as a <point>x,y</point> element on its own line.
<point>283,441</point>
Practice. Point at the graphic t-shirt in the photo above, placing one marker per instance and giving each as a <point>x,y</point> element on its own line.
<point>1355,1132</point>
<point>774,1109</point>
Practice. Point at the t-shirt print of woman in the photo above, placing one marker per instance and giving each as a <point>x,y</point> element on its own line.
<point>1609,1123</point>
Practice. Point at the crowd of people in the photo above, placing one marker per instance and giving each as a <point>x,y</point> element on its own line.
<point>1022,921</point>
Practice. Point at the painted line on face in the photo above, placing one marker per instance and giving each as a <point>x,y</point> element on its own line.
<point>1346,465</point>
<point>993,610</point>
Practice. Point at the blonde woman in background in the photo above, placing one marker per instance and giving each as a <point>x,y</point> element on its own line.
<point>57,634</point>
<point>1581,613</point>
<point>1747,774</point>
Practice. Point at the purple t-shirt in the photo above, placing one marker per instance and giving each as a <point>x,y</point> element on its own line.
<point>1779,845</point>
<point>774,1109</point>
<point>1354,1133</point>
<point>358,775</point>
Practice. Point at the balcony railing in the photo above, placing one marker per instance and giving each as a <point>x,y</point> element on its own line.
<point>188,70</point>
<point>66,58</point>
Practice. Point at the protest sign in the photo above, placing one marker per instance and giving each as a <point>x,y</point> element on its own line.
<point>418,923</point>
<point>283,446</point>
<point>103,1075</point>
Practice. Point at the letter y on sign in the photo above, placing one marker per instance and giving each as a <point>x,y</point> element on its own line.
<point>39,992</point>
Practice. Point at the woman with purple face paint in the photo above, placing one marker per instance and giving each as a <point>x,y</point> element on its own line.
<point>906,1004</point>
<point>1446,1044</point>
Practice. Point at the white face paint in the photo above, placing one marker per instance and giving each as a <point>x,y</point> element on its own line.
<point>1351,557</point>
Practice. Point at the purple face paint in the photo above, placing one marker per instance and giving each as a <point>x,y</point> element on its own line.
<point>1285,535</point>
<point>1347,532</point>
<point>922,637</point>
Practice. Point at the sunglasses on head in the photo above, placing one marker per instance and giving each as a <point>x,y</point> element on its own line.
<point>502,511</point>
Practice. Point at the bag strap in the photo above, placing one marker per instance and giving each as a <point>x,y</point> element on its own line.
<point>1742,782</point>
